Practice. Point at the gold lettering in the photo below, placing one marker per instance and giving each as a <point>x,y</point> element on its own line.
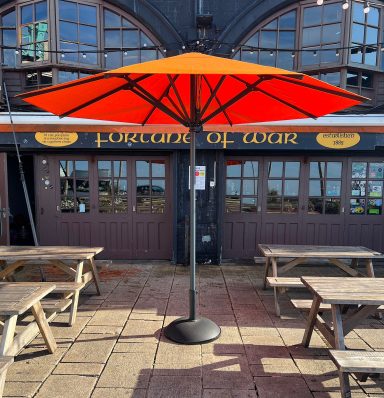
<point>251,138</point>
<point>177,140</point>
<point>186,138</point>
<point>161,140</point>
<point>130,138</point>
<point>119,139</point>
<point>290,137</point>
<point>225,141</point>
<point>142,140</point>
<point>217,138</point>
<point>279,139</point>
<point>99,140</point>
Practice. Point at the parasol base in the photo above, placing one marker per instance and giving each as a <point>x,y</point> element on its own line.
<point>192,331</point>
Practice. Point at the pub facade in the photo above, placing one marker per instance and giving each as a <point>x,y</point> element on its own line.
<point>105,184</point>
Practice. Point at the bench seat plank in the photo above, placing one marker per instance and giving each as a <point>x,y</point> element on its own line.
<point>352,361</point>
<point>284,282</point>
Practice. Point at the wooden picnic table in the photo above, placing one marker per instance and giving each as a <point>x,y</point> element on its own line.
<point>366,293</point>
<point>299,254</point>
<point>70,259</point>
<point>15,299</point>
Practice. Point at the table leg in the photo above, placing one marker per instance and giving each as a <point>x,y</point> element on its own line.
<point>44,328</point>
<point>266,269</point>
<point>340,345</point>
<point>369,267</point>
<point>311,320</point>
<point>95,275</point>
<point>275,289</point>
<point>75,297</point>
<point>8,334</point>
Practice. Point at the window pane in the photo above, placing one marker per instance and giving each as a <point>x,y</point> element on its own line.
<point>131,38</point>
<point>332,13</point>
<point>317,170</point>
<point>358,188</point>
<point>373,16</point>
<point>284,60</point>
<point>87,15</point>
<point>126,23</point>
<point>375,189</point>
<point>359,170</point>
<point>333,188</point>
<point>249,205</point>
<point>291,205</point>
<point>68,11</point>
<point>253,41</point>
<point>315,206</point>
<point>9,19</point>
<point>374,206</point>
<point>266,58</point>
<point>275,187</point>
<point>312,16</point>
<point>286,40</point>
<point>68,31</point>
<point>111,19</point>
<point>146,55</point>
<point>104,168</point>
<point>291,187</point>
<point>308,58</point>
<point>143,188</point>
<point>271,25</point>
<point>358,12</point>
<point>329,56</point>
<point>331,33</point>
<point>112,38</point>
<point>91,55</point>
<point>357,206</point>
<point>233,168</point>
<point>82,186</point>
<point>232,204</point>
<point>41,11</point>
<point>158,168</point>
<point>67,76</point>
<point>292,169</point>
<point>315,188</point>
<point>376,170</point>
<point>66,168</point>
<point>275,169</point>
<point>81,168</point>
<point>371,35</point>
<point>370,56</point>
<point>119,168</point>
<point>130,57</point>
<point>120,186</point>
<point>46,77</point>
<point>249,187</point>
<point>250,169</point>
<point>27,14</point>
<point>70,51</point>
<point>113,60</point>
<point>332,206</point>
<point>9,37</point>
<point>41,31</point>
<point>233,187</point>
<point>268,39</point>
<point>331,78</point>
<point>87,34</point>
<point>105,187</point>
<point>356,55</point>
<point>352,79</point>
<point>334,169</point>
<point>357,33</point>
<point>158,205</point>
<point>288,20</point>
<point>158,187</point>
<point>27,34</point>
<point>67,204</point>
<point>274,204</point>
<point>66,186</point>
<point>311,36</point>
<point>142,168</point>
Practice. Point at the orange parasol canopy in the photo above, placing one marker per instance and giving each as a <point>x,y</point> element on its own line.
<point>227,92</point>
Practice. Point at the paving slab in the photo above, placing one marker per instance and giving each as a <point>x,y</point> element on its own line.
<point>67,386</point>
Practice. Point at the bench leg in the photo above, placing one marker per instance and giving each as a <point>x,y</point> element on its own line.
<point>369,268</point>
<point>344,385</point>
<point>44,328</point>
<point>266,269</point>
<point>95,275</point>
<point>2,382</point>
<point>311,321</point>
<point>76,294</point>
<point>8,334</point>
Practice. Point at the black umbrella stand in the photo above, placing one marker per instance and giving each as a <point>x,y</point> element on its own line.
<point>192,329</point>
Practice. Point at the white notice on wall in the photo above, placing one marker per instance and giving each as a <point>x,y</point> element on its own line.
<point>199,178</point>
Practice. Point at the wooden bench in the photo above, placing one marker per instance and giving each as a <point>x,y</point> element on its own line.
<point>305,305</point>
<point>5,362</point>
<point>279,283</point>
<point>353,361</point>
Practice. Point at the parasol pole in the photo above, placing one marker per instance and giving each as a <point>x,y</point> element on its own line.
<point>22,177</point>
<point>193,329</point>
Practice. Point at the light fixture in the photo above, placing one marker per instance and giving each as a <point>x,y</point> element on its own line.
<point>17,51</point>
<point>320,2</point>
<point>293,54</point>
<point>366,7</point>
<point>315,53</point>
<point>62,55</point>
<point>271,53</point>
<point>337,52</point>
<point>105,55</point>
<point>84,55</point>
<point>183,47</point>
<point>233,50</point>
<point>345,5</point>
<point>125,53</point>
<point>251,52</point>
<point>145,44</point>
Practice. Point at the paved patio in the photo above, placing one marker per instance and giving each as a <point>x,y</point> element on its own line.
<point>117,349</point>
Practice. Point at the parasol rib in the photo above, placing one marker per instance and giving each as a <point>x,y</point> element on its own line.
<point>296,108</point>
<point>146,96</point>
<point>247,90</point>
<point>213,93</point>
<point>217,100</point>
<point>344,93</point>
<point>178,96</point>
<point>164,94</point>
